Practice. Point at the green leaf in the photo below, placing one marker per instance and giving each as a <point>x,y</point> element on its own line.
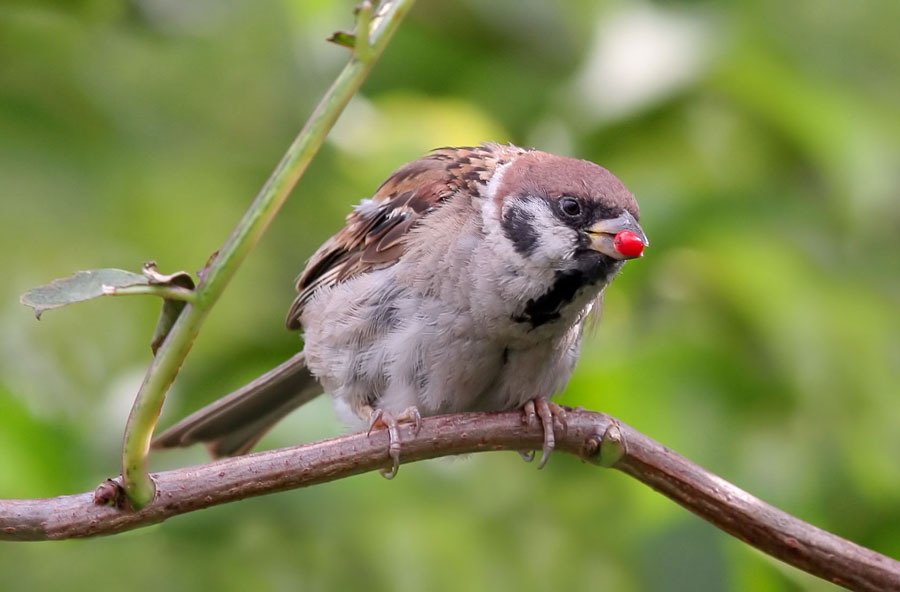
<point>84,285</point>
<point>344,39</point>
<point>176,290</point>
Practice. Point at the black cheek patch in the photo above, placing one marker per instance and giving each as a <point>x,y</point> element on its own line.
<point>518,226</point>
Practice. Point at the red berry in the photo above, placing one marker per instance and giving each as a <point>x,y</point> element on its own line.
<point>629,244</point>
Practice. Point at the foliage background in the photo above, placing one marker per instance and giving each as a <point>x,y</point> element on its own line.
<point>759,336</point>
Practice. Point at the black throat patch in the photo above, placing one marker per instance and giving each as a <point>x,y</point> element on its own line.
<point>547,307</point>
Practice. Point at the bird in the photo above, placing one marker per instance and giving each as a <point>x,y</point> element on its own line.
<point>463,284</point>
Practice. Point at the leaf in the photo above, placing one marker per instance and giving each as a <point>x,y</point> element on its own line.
<point>84,285</point>
<point>343,39</point>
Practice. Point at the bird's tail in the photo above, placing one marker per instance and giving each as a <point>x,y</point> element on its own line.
<point>235,423</point>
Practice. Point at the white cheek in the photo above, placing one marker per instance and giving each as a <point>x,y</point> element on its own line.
<point>556,241</point>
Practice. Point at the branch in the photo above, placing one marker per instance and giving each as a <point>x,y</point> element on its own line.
<point>594,437</point>
<point>171,354</point>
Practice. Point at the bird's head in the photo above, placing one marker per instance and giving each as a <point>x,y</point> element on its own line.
<point>565,214</point>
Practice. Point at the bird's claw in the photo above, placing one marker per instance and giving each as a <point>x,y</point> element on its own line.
<point>543,412</point>
<point>381,418</point>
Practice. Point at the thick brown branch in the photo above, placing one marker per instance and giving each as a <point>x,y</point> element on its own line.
<point>595,437</point>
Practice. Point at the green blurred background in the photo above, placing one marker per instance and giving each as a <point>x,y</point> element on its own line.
<point>759,336</point>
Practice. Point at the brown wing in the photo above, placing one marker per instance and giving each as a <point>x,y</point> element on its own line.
<point>376,230</point>
<point>374,234</point>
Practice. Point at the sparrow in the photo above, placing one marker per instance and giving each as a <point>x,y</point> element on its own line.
<point>462,284</point>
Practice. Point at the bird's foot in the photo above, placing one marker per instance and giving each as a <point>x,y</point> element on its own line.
<point>382,418</point>
<point>543,412</point>
<point>527,455</point>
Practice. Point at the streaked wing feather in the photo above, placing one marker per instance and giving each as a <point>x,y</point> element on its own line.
<point>376,230</point>
<point>374,233</point>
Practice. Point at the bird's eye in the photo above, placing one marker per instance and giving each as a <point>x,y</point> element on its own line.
<point>570,206</point>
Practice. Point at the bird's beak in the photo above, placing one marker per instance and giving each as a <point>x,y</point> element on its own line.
<point>603,235</point>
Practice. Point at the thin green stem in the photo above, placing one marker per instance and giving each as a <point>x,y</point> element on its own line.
<point>149,400</point>
<point>363,22</point>
<point>167,292</point>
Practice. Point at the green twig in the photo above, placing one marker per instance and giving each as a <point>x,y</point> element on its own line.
<point>167,292</point>
<point>362,46</point>
<point>149,400</point>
